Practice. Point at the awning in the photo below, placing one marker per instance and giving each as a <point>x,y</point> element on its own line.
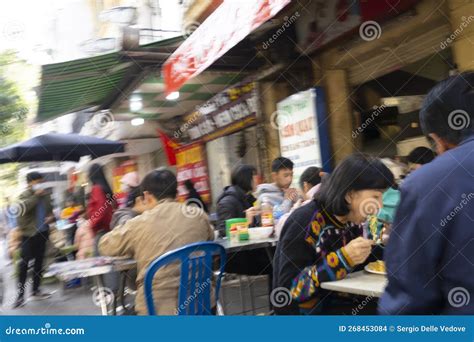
<point>91,82</point>
<point>228,25</point>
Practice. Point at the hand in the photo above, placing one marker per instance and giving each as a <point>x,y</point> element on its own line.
<point>359,250</point>
<point>50,219</point>
<point>291,194</point>
<point>250,213</point>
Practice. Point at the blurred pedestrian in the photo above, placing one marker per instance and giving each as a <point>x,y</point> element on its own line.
<point>101,202</point>
<point>36,213</point>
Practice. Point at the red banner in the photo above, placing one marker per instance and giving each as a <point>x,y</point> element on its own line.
<point>169,146</point>
<point>191,164</point>
<point>231,22</point>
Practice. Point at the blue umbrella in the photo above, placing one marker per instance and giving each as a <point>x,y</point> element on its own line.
<point>59,147</point>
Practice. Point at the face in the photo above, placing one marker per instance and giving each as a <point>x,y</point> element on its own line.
<point>283,178</point>
<point>35,182</point>
<point>363,203</point>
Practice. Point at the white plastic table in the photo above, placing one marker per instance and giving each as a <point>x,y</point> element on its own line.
<point>359,283</point>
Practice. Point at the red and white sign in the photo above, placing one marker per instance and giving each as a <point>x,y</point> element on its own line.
<point>231,22</point>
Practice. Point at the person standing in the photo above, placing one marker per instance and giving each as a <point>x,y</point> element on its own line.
<point>35,215</point>
<point>101,202</point>
<point>429,256</point>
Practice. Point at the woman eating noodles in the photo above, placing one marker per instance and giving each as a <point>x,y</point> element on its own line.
<point>323,240</point>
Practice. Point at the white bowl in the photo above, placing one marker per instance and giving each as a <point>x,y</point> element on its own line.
<point>257,233</point>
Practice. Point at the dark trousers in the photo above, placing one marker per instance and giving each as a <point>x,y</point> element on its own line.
<point>32,248</point>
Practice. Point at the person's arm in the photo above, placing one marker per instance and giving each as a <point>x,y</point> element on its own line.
<point>28,201</point>
<point>118,242</point>
<point>336,265</point>
<point>413,253</point>
<point>225,210</point>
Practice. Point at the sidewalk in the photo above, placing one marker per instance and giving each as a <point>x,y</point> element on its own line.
<point>79,301</point>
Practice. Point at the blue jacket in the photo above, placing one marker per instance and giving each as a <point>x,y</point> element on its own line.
<point>430,253</point>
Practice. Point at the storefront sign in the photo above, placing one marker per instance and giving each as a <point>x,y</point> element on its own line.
<point>229,111</point>
<point>303,132</point>
<point>231,22</point>
<point>191,164</point>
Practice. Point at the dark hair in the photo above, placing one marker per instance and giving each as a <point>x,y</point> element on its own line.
<point>132,196</point>
<point>421,155</point>
<point>447,110</point>
<point>32,176</point>
<point>310,176</point>
<point>242,176</point>
<point>356,172</point>
<point>189,184</point>
<point>97,177</point>
<point>282,163</point>
<point>161,184</point>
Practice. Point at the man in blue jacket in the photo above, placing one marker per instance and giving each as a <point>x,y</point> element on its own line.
<point>430,254</point>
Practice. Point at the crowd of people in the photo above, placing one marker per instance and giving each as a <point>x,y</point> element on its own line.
<point>324,228</point>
